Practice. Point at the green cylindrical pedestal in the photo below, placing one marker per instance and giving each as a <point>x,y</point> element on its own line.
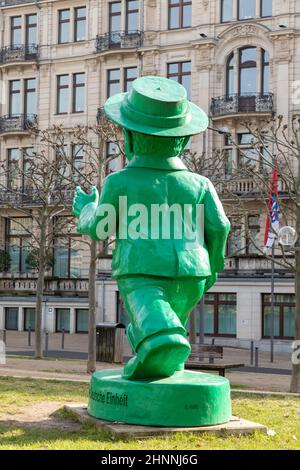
<point>186,398</point>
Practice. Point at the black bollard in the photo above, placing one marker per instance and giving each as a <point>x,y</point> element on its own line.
<point>46,343</point>
<point>252,353</point>
<point>256,357</point>
<point>63,338</point>
<point>29,336</point>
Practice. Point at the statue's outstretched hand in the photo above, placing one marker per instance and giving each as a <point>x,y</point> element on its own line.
<point>81,199</point>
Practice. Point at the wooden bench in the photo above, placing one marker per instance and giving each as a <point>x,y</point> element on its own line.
<point>201,352</point>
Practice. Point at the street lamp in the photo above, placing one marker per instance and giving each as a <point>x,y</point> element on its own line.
<point>287,237</point>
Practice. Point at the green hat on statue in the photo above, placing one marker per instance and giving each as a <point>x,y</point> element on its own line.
<point>156,106</point>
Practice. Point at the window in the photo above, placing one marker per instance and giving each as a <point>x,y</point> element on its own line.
<point>31,29</point>
<point>62,94</point>
<point>230,76</point>
<point>30,96</point>
<point>130,74</point>
<point>248,85</point>
<point>78,92</point>
<point>16,30</point>
<point>79,24</point>
<point>115,9</point>
<point>220,314</point>
<point>82,320</point>
<point>18,164</point>
<point>226,10</point>
<point>266,8</point>
<point>228,154</point>
<point>113,82</point>
<point>29,319</point>
<point>18,243</point>
<point>180,14</point>
<point>11,318</point>
<point>181,73</point>
<point>284,316</point>
<point>14,169</point>
<point>78,162</point>
<point>14,97</point>
<point>111,152</point>
<point>67,250</point>
<point>235,239</point>
<point>248,71</point>
<point>63,320</point>
<point>246,9</point>
<point>63,26</point>
<point>252,235</point>
<point>265,82</point>
<point>132,16</point>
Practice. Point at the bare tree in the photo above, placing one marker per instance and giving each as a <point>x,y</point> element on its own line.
<point>274,143</point>
<point>92,142</point>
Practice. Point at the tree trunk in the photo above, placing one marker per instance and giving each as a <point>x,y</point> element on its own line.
<point>39,294</point>
<point>295,382</point>
<point>91,363</point>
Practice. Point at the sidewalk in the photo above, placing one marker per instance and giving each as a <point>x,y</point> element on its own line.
<point>270,376</point>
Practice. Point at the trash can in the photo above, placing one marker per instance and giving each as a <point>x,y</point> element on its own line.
<point>110,342</point>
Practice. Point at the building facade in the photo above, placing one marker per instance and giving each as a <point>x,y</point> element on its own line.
<point>60,60</point>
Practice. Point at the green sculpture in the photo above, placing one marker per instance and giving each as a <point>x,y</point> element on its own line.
<point>162,272</point>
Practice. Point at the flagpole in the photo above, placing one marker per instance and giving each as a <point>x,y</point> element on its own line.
<point>272,304</point>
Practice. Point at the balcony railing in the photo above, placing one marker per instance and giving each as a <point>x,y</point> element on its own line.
<point>30,197</point>
<point>236,103</point>
<point>19,53</point>
<point>51,285</point>
<point>254,265</point>
<point>119,40</point>
<point>17,123</point>
<point>249,187</point>
<point>5,3</point>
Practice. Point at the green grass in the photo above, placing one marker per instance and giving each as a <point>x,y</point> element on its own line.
<point>281,414</point>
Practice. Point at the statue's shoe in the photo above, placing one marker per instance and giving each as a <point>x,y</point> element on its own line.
<point>158,356</point>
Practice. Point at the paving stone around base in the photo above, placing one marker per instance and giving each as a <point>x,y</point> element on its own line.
<point>236,426</point>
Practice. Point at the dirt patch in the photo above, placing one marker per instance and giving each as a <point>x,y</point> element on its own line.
<point>43,414</point>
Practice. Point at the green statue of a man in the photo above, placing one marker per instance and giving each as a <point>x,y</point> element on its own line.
<point>161,274</point>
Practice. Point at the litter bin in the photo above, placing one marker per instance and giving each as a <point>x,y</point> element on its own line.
<point>110,342</point>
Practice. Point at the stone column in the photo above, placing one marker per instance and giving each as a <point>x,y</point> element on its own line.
<point>72,320</point>
<point>21,319</point>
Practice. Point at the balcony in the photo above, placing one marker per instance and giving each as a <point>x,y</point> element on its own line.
<point>52,286</point>
<point>253,266</point>
<point>119,40</point>
<point>19,53</point>
<point>17,123</point>
<point>242,104</point>
<point>8,3</point>
<point>249,187</point>
<point>32,197</point>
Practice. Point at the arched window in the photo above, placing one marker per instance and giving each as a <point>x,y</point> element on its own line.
<point>247,71</point>
<point>230,75</point>
<point>245,68</point>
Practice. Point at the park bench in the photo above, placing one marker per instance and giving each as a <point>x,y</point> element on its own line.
<point>200,353</point>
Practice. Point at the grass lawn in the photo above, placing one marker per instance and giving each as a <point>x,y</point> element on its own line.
<point>280,414</point>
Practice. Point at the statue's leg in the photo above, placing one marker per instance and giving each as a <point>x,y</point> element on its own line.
<point>156,332</point>
<point>187,292</point>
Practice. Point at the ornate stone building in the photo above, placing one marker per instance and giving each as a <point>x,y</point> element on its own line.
<point>60,60</point>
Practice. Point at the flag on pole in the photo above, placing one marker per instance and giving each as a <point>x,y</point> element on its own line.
<point>272,223</point>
